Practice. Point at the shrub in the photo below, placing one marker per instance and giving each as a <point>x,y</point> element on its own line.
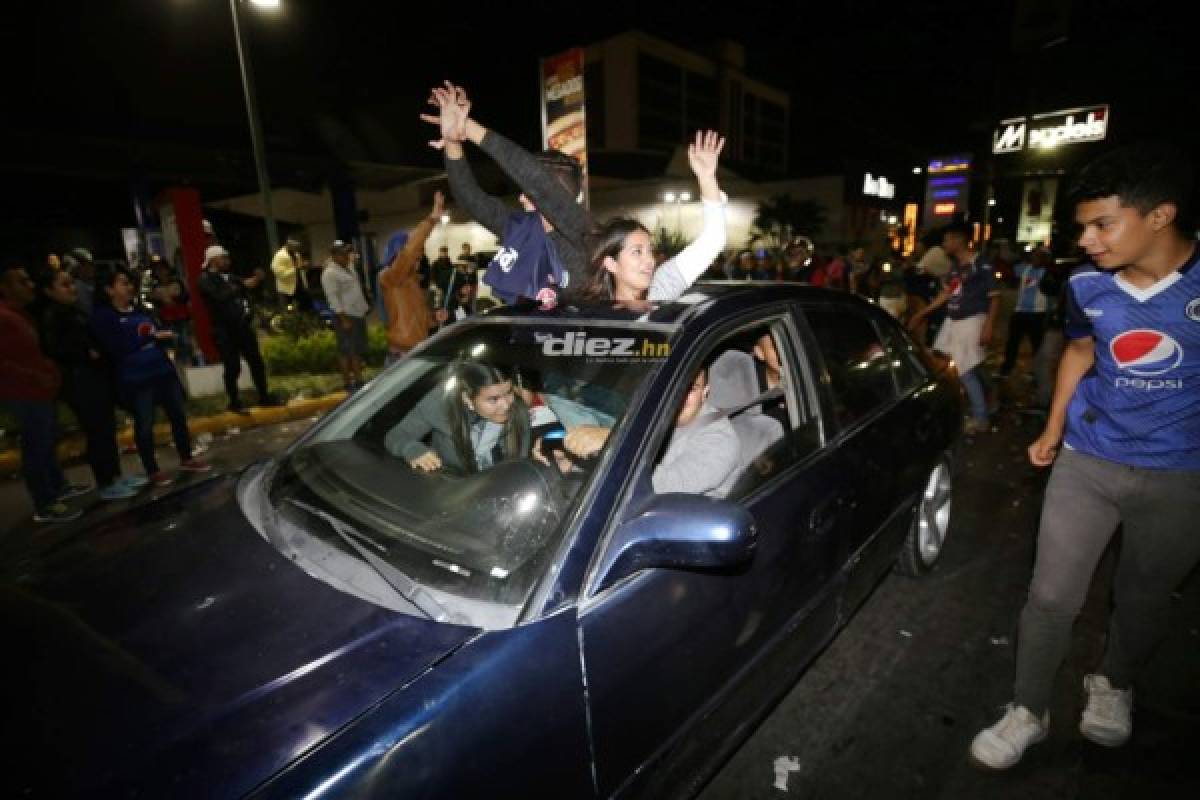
<point>308,354</point>
<point>316,353</point>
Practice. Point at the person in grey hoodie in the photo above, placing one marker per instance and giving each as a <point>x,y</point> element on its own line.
<point>703,454</point>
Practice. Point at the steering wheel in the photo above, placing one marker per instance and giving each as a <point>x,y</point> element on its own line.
<point>550,473</point>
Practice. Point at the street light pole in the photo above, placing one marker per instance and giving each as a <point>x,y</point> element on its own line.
<point>256,136</point>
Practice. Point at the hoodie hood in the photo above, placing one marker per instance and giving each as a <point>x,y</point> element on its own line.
<point>395,244</point>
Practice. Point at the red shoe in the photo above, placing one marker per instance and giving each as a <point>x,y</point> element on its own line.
<point>161,478</point>
<point>195,465</point>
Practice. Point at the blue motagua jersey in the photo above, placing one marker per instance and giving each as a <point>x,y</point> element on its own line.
<point>1140,404</point>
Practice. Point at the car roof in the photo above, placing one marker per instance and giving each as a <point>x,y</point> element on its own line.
<point>699,299</point>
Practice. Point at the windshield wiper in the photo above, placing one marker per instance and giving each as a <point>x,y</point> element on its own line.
<point>405,586</point>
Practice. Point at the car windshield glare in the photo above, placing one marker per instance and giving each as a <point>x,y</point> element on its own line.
<point>451,462</point>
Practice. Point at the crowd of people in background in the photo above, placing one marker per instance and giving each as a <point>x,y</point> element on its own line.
<point>79,335</point>
<point>118,338</point>
<point>99,340</point>
<point>946,292</point>
<point>108,339</point>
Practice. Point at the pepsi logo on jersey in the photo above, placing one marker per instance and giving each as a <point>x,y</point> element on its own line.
<point>1147,354</point>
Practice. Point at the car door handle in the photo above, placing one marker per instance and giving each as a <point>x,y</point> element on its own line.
<point>821,521</point>
<point>823,518</point>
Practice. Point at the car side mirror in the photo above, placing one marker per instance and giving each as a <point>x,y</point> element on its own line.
<point>681,531</point>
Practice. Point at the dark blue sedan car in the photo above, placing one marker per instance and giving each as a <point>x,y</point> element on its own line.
<point>399,607</point>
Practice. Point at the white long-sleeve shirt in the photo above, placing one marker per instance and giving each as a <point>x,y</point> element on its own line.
<point>674,276</point>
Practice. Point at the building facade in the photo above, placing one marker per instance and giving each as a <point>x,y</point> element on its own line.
<point>645,94</point>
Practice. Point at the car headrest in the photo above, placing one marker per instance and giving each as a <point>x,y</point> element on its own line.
<point>732,380</point>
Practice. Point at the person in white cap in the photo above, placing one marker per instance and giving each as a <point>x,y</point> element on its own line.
<point>229,310</point>
<point>345,296</point>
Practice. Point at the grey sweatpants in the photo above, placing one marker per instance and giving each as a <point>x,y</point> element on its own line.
<point>1045,365</point>
<point>1085,500</point>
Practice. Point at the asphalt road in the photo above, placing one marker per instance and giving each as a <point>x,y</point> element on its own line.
<point>228,451</point>
<point>890,708</point>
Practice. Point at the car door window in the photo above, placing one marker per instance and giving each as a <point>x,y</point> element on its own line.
<point>859,368</point>
<point>906,363</point>
<point>752,387</point>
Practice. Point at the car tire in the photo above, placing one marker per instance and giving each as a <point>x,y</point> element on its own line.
<point>930,523</point>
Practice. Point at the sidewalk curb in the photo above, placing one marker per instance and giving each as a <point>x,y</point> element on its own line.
<point>72,447</point>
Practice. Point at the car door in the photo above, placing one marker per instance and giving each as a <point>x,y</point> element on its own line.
<point>915,422</point>
<point>676,661</point>
<point>874,431</point>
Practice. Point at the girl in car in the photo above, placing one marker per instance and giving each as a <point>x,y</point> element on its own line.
<point>477,421</point>
<point>623,269</point>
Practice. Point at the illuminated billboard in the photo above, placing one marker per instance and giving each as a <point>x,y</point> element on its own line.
<point>946,184</point>
<point>1037,210</point>
<point>878,187</point>
<point>564,114</point>
<point>1048,131</point>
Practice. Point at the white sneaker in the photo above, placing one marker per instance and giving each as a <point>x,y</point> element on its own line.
<point>1108,718</point>
<point>1002,745</point>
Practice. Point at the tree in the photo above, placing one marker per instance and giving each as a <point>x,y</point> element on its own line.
<point>782,216</point>
<point>669,242</point>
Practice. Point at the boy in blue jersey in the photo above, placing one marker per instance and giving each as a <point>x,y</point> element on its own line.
<point>1028,319</point>
<point>1127,412</point>
<point>543,247</point>
<point>972,301</point>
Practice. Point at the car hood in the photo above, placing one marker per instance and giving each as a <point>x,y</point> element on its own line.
<point>172,650</point>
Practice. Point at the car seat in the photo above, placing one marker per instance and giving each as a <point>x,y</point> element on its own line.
<point>734,390</point>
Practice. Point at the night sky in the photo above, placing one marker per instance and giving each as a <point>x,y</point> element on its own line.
<point>896,81</point>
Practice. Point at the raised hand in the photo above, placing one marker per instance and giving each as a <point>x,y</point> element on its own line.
<point>704,153</point>
<point>454,109</point>
<point>460,98</point>
<point>439,206</point>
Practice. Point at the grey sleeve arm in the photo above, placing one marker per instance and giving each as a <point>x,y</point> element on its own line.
<point>488,211</point>
<point>404,439</point>
<point>551,198</point>
<point>702,464</point>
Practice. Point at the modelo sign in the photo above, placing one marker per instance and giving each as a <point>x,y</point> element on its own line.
<point>1047,131</point>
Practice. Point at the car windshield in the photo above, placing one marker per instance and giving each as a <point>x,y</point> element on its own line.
<point>449,466</point>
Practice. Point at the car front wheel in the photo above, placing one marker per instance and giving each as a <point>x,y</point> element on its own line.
<point>931,522</point>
